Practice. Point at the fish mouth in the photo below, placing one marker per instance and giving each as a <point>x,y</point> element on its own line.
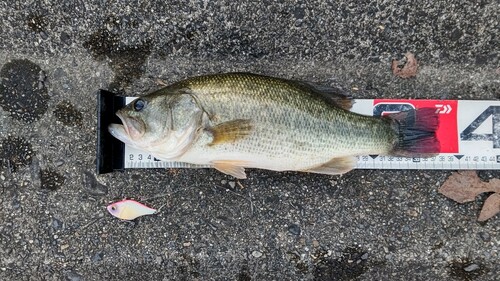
<point>124,122</point>
<point>118,131</point>
<point>124,132</point>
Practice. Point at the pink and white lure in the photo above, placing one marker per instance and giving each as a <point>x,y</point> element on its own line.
<point>129,209</point>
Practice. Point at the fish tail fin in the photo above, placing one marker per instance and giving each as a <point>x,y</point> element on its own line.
<point>416,133</point>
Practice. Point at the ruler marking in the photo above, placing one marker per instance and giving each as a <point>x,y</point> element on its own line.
<point>473,152</point>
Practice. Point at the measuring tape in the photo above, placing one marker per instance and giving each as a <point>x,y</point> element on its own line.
<point>469,134</point>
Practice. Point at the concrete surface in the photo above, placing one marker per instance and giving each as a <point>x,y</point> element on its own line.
<point>366,225</point>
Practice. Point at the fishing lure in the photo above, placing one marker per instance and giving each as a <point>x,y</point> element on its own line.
<point>129,209</point>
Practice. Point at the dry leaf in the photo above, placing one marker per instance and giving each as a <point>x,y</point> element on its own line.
<point>491,207</point>
<point>465,186</point>
<point>408,70</point>
<point>161,82</point>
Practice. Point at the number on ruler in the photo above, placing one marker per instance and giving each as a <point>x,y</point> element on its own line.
<point>382,108</point>
<point>468,135</point>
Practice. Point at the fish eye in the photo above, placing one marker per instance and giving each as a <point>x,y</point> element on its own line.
<point>139,105</point>
<point>113,208</point>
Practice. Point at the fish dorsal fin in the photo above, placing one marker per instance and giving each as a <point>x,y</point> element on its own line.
<point>231,167</point>
<point>231,131</point>
<point>336,166</point>
<point>330,94</point>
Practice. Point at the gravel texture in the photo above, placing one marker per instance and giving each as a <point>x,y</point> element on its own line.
<point>365,225</point>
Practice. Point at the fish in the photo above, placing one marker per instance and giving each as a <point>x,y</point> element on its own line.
<point>234,121</point>
<point>129,209</point>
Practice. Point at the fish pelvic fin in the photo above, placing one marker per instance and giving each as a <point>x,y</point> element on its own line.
<point>231,131</point>
<point>336,166</point>
<point>231,167</point>
<point>416,133</point>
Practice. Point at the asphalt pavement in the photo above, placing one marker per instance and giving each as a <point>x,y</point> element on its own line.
<point>365,225</point>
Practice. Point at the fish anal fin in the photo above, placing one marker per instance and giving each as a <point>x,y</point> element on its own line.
<point>231,167</point>
<point>231,131</point>
<point>336,166</point>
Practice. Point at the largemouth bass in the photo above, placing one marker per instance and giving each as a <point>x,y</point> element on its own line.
<point>240,120</point>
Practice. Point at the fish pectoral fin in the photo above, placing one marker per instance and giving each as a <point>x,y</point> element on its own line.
<point>231,167</point>
<point>231,131</point>
<point>336,166</point>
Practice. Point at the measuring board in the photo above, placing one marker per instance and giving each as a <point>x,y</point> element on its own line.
<point>469,134</point>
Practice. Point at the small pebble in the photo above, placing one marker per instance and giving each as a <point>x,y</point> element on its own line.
<point>16,204</point>
<point>471,267</point>
<point>158,259</point>
<point>413,213</point>
<point>56,224</point>
<point>256,254</point>
<point>97,257</point>
<point>485,236</point>
<point>232,184</point>
<point>223,182</point>
<point>364,256</point>
<point>294,229</point>
<point>73,276</point>
<point>44,35</point>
